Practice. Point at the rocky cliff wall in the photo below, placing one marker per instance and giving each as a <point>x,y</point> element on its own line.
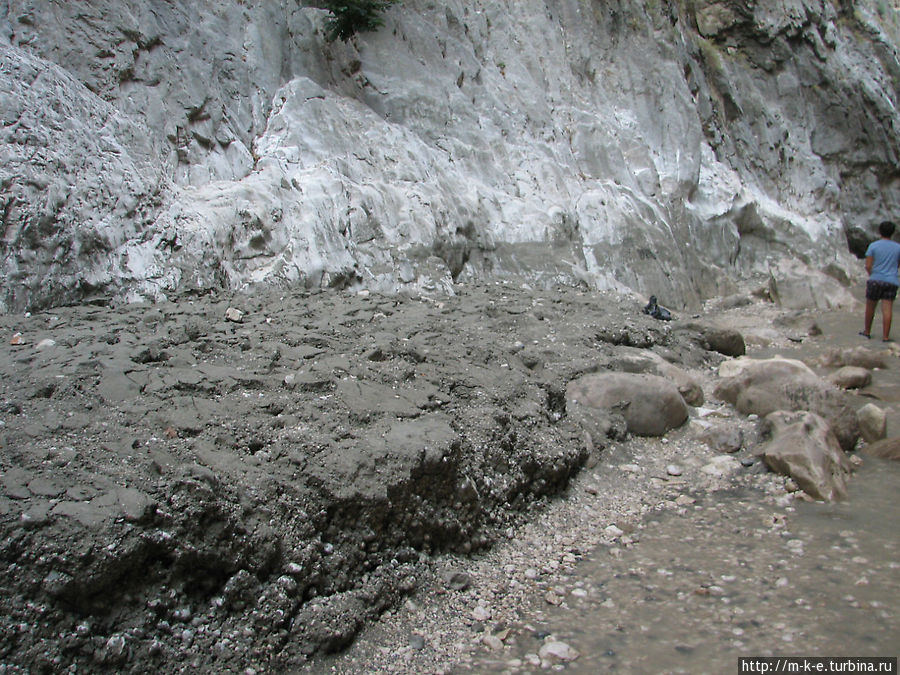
<point>151,149</point>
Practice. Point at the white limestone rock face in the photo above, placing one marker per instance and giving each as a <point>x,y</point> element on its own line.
<point>79,181</point>
<point>220,144</point>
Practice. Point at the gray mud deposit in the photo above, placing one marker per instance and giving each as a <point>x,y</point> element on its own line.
<point>181,491</point>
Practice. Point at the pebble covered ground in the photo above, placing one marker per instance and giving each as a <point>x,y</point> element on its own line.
<point>494,616</point>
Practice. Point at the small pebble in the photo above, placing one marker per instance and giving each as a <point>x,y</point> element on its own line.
<point>614,531</point>
<point>558,650</point>
<point>481,613</point>
<point>492,642</point>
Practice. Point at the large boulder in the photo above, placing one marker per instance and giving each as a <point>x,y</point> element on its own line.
<point>726,341</point>
<point>872,422</point>
<point>631,360</point>
<point>801,445</point>
<point>764,386</point>
<point>887,448</point>
<point>650,404</point>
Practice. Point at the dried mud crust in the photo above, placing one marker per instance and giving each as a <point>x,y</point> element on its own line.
<point>180,491</point>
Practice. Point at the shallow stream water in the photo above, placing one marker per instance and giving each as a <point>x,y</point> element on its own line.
<point>735,575</point>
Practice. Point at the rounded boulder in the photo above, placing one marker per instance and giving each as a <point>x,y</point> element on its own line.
<point>651,405</point>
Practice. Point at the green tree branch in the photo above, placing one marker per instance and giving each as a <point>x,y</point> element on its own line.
<point>349,17</point>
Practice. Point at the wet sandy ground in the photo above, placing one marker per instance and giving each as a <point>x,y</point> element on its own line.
<point>733,575</point>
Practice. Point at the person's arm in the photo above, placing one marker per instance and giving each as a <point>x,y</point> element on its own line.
<point>870,259</point>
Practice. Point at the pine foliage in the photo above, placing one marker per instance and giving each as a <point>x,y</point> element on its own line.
<point>349,17</point>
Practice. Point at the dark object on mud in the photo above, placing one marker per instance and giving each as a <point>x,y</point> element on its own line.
<point>656,311</point>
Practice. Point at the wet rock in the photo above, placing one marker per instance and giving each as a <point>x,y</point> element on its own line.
<point>872,422</point>
<point>724,439</point>
<point>725,341</point>
<point>888,448</point>
<point>801,445</point>
<point>851,377</point>
<point>761,387</point>
<point>650,405</point>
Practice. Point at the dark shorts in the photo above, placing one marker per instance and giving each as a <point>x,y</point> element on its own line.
<point>880,290</point>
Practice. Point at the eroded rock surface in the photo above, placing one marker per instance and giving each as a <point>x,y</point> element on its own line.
<point>672,149</point>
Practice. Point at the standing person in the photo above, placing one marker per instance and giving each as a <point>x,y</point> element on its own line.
<point>882,260</point>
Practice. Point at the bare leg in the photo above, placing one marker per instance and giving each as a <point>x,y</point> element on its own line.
<point>870,315</point>
<point>887,313</point>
